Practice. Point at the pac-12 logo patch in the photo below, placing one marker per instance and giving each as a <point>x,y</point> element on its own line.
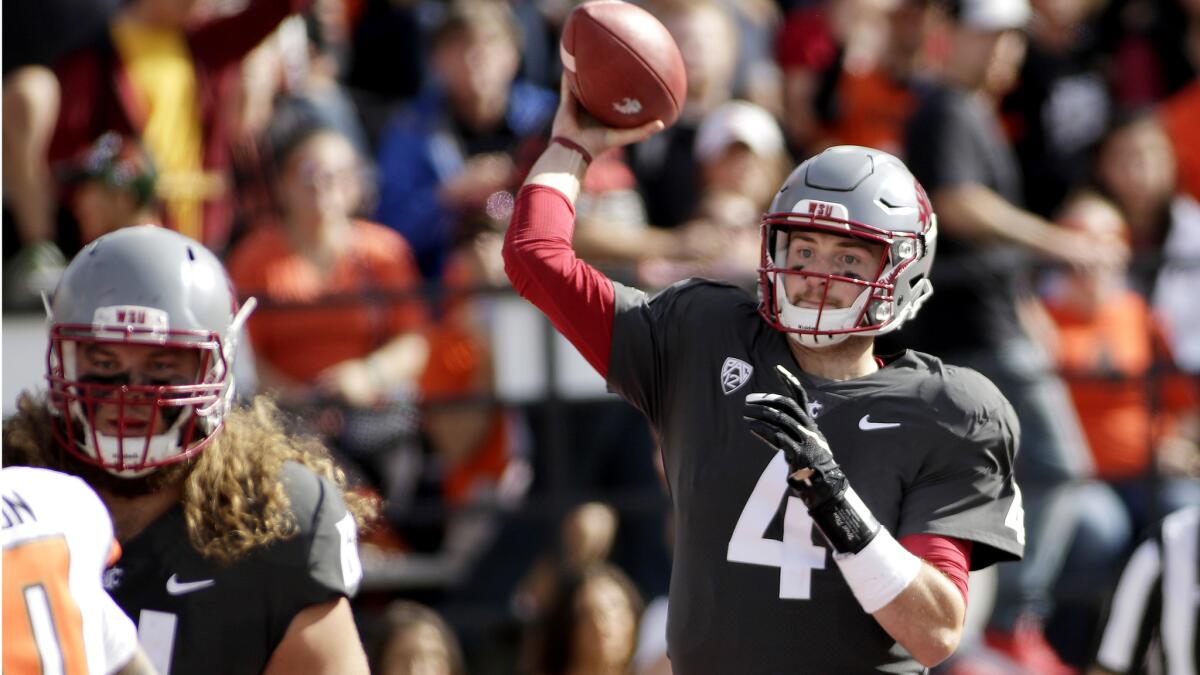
<point>734,374</point>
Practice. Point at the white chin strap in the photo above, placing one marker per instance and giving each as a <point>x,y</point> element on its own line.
<point>805,318</point>
<point>162,446</point>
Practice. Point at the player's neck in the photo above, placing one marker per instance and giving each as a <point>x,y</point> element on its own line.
<point>849,359</point>
<point>131,515</point>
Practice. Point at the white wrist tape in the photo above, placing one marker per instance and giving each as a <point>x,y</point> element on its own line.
<point>879,572</point>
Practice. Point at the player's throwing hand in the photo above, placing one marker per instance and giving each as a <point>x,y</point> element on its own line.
<point>783,423</point>
<point>574,124</point>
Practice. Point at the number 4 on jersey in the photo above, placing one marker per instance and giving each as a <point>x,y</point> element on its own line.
<point>796,556</point>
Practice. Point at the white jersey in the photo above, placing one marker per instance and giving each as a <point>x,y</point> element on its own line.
<point>58,540</point>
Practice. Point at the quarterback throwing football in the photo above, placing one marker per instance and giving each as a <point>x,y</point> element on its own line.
<point>828,502</point>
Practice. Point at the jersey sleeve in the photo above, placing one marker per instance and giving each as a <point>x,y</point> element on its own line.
<point>327,541</point>
<point>966,488</point>
<point>86,523</point>
<point>543,269</point>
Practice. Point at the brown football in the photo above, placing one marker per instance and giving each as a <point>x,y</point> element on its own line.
<point>622,64</point>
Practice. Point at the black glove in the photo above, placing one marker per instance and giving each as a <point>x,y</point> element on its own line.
<point>783,423</point>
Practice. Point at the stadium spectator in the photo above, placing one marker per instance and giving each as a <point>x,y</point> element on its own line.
<point>849,67</point>
<point>58,542</point>
<point>1153,616</point>
<point>957,149</point>
<point>296,74</point>
<point>36,36</point>
<point>157,75</point>
<point>240,545</point>
<point>590,625</point>
<point>415,640</point>
<point>356,351</point>
<point>1139,413</point>
<point>443,156</point>
<point>1060,106</point>
<point>665,165</point>
<point>741,156</point>
<point>757,77</point>
<point>112,186</point>
<point>1135,168</point>
<point>343,341</point>
<point>585,538</point>
<point>34,260</point>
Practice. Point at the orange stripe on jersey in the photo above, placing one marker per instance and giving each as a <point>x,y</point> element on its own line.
<point>41,619</point>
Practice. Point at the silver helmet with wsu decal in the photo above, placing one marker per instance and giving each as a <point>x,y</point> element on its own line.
<point>857,192</point>
<point>143,329</point>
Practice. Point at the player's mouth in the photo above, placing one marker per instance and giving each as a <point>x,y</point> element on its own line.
<point>124,427</point>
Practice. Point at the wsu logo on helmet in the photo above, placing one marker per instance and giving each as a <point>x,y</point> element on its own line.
<point>734,374</point>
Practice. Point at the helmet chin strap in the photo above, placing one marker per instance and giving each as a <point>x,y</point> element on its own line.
<point>161,446</point>
<point>805,318</point>
<point>158,447</point>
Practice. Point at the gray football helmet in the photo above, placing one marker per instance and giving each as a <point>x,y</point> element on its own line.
<point>142,285</point>
<point>857,192</point>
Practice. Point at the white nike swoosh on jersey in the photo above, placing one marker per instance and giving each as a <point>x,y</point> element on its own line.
<point>867,425</point>
<point>177,587</point>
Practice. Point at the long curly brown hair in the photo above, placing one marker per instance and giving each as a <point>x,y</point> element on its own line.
<point>233,499</point>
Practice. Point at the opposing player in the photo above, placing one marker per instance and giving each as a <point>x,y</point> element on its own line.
<point>901,467</point>
<point>58,540</point>
<point>239,551</point>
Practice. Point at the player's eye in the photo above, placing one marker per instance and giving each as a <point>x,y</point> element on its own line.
<point>111,380</point>
<point>162,366</point>
<point>850,259</point>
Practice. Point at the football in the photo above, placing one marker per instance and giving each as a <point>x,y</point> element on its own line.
<point>622,64</point>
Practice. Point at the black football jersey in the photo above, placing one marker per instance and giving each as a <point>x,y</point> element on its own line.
<point>196,616</point>
<point>929,448</point>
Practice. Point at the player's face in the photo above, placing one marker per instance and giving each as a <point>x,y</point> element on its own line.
<point>825,253</point>
<point>605,625</point>
<point>138,365</point>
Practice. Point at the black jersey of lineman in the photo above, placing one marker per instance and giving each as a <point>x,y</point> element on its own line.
<point>754,589</point>
<point>203,617</point>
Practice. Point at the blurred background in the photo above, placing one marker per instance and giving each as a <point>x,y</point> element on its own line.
<point>354,163</point>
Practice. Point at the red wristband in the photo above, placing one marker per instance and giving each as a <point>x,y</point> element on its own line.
<point>568,143</point>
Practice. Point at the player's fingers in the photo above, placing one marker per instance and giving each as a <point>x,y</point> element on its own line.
<point>789,380</point>
<point>784,413</point>
<point>621,137</point>
<point>783,404</point>
<point>776,417</point>
<point>800,394</point>
<point>780,442</point>
<point>769,434</point>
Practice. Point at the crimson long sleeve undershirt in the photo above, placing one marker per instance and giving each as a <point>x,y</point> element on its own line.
<point>580,301</point>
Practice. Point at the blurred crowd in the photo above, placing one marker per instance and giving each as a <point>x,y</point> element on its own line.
<point>354,163</point>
